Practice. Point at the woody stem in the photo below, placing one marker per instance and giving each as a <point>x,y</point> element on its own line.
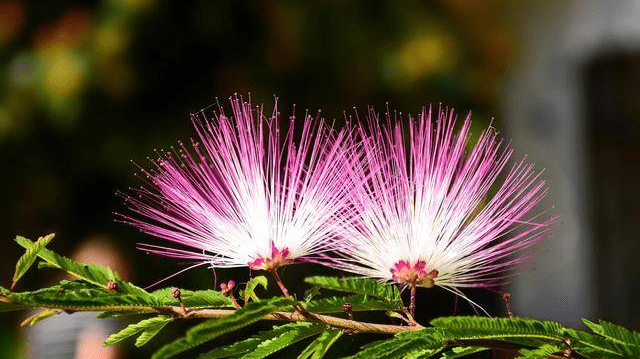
<point>279,281</point>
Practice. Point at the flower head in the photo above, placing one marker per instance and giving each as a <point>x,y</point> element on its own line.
<point>246,194</point>
<point>433,213</point>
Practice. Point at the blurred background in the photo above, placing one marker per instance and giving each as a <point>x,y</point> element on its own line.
<point>87,86</point>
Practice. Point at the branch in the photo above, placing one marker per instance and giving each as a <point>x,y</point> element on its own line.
<point>178,312</point>
<point>352,325</point>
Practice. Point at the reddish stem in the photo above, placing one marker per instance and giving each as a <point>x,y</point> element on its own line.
<point>279,281</point>
<point>412,306</point>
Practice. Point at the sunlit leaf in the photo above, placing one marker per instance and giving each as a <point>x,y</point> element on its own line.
<point>38,317</point>
<point>152,325</point>
<point>29,256</point>
<point>213,328</point>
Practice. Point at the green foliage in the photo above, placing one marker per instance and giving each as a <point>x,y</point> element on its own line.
<point>272,344</point>
<point>149,328</point>
<point>489,328</point>
<point>541,352</point>
<point>29,256</point>
<point>365,286</point>
<point>459,352</point>
<point>213,328</point>
<point>150,332</point>
<point>77,295</point>
<point>249,291</point>
<point>5,305</point>
<point>38,317</point>
<point>192,299</point>
<point>319,347</point>
<point>97,288</point>
<point>253,342</point>
<point>398,347</point>
<point>358,303</point>
<point>614,332</point>
<point>89,272</point>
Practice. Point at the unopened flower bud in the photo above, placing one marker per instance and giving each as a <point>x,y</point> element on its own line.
<point>176,293</point>
<point>112,285</point>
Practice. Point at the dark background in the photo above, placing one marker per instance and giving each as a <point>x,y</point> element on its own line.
<point>87,86</point>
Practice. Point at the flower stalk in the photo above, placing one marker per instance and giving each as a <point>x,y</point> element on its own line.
<point>283,288</point>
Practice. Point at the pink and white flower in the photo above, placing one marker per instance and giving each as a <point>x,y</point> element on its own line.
<point>247,194</point>
<point>435,213</point>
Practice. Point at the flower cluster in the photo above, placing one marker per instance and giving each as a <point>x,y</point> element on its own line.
<point>247,194</point>
<point>407,201</point>
<point>426,216</point>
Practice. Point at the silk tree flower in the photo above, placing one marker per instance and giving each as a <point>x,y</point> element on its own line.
<point>247,193</point>
<point>435,214</point>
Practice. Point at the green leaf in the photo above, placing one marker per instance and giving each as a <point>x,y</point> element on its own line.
<point>271,339</point>
<point>358,303</point>
<point>385,292</point>
<point>249,290</point>
<point>534,332</point>
<point>502,327</point>
<point>80,296</point>
<point>596,328</point>
<point>29,256</point>
<point>9,307</point>
<point>116,314</point>
<point>38,317</point>
<point>459,352</point>
<point>150,332</point>
<point>152,324</point>
<point>298,331</point>
<point>89,272</point>
<point>421,354</point>
<point>541,352</point>
<point>602,347</point>
<point>77,295</point>
<point>213,328</point>
<point>247,344</point>
<point>5,305</point>
<point>399,347</point>
<point>319,347</point>
<point>310,293</point>
<point>193,299</point>
<point>619,334</point>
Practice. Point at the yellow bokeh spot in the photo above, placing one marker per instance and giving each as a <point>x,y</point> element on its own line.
<point>64,75</point>
<point>428,55</point>
<point>110,41</point>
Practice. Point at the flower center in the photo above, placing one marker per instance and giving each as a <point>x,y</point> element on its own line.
<point>278,258</point>
<point>416,274</point>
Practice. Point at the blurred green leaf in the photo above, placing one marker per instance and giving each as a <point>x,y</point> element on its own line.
<point>38,317</point>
